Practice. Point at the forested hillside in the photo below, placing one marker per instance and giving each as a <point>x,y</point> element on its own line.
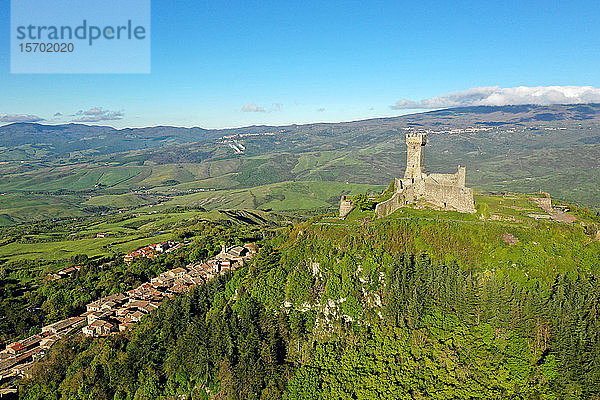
<point>400,308</point>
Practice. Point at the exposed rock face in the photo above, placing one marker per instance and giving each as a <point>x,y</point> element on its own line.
<point>446,191</point>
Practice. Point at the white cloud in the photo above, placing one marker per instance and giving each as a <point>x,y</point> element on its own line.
<point>252,108</point>
<point>97,114</point>
<point>497,96</point>
<point>10,118</point>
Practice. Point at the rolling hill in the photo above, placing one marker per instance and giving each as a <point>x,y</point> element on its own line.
<point>510,148</point>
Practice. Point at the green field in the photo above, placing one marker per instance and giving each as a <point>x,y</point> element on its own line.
<point>137,226</point>
<point>128,200</point>
<point>126,235</point>
<point>127,232</point>
<point>22,207</point>
<point>287,196</point>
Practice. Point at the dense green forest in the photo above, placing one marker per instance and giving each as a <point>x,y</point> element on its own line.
<point>406,309</point>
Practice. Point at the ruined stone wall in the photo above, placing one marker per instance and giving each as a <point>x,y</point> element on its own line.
<point>456,179</point>
<point>450,197</point>
<point>345,206</point>
<point>387,207</point>
<point>403,196</point>
<point>442,179</point>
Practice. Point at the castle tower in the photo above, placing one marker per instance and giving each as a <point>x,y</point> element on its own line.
<point>415,157</point>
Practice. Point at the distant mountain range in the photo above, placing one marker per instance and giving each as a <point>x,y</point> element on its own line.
<point>27,141</point>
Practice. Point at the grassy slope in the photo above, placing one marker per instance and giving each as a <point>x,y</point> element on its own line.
<point>544,247</point>
<point>503,214</point>
<point>27,207</point>
<point>117,201</point>
<point>286,196</point>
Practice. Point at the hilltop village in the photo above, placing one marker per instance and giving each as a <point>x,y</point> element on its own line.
<point>119,312</point>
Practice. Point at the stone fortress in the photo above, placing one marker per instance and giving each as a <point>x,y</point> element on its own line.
<point>444,191</point>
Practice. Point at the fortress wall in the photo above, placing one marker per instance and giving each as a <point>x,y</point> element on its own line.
<point>399,199</point>
<point>465,200</point>
<point>345,207</point>
<point>443,179</point>
<point>450,197</point>
<point>456,179</point>
<point>387,207</point>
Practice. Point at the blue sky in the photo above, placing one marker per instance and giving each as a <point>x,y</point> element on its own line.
<point>297,62</point>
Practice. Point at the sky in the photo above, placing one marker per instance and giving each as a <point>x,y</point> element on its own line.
<point>217,64</point>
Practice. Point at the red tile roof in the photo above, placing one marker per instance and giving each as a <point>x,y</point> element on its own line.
<point>16,346</point>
